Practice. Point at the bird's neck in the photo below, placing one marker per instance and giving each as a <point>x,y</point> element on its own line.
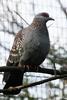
<point>39,25</point>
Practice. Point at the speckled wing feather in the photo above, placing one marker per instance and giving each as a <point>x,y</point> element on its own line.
<point>15,52</point>
<point>14,78</point>
<point>16,49</point>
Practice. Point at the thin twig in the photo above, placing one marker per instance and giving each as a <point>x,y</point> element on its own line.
<point>32,84</point>
<point>63,8</point>
<point>4,47</point>
<point>21,17</point>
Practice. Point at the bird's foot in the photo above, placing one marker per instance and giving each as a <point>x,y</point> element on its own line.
<point>29,67</point>
<point>32,68</point>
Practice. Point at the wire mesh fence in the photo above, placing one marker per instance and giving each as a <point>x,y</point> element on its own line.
<point>11,23</point>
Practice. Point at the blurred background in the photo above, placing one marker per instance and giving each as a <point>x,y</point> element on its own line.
<point>11,23</point>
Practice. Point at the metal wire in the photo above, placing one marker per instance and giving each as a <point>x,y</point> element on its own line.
<point>10,24</point>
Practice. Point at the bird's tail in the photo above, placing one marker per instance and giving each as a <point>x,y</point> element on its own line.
<point>15,79</point>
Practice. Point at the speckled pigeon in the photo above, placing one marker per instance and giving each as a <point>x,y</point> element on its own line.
<point>31,46</point>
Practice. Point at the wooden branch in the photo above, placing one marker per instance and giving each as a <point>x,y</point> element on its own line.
<point>32,84</point>
<point>36,69</point>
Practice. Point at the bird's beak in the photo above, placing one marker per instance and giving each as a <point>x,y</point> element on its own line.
<point>49,18</point>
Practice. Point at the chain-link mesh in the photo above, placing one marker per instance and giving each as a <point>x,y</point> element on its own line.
<point>11,23</point>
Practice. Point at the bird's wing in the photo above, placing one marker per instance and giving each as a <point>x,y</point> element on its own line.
<point>15,53</point>
<point>16,50</point>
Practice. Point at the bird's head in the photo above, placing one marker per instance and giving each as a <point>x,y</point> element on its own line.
<point>43,17</point>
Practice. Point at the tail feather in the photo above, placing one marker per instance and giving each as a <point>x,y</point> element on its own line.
<point>15,79</point>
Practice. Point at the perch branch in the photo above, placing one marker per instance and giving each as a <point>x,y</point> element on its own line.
<point>33,84</point>
<point>59,75</point>
<point>37,69</point>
